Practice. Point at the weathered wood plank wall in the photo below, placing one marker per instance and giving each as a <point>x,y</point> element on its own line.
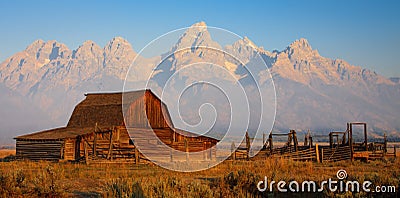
<point>38,150</point>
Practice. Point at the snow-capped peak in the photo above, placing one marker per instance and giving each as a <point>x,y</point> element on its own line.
<point>200,24</point>
<point>196,35</point>
<point>301,50</point>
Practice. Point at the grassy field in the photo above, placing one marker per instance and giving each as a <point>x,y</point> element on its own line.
<point>229,179</point>
<point>6,152</point>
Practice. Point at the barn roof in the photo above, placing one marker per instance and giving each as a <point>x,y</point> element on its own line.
<point>104,108</point>
<point>114,98</point>
<point>56,134</point>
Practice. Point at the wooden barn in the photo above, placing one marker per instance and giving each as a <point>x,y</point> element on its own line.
<point>97,131</point>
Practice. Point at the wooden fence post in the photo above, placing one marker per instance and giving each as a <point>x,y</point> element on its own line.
<point>306,140</point>
<point>86,153</point>
<point>213,152</point>
<point>366,136</point>
<point>337,140</point>
<point>322,155</point>
<point>204,151</point>
<point>264,141</point>
<point>317,153</point>
<point>94,145</point>
<point>233,151</point>
<point>289,141</point>
<point>270,142</point>
<point>385,143</point>
<point>344,139</point>
<point>187,150</point>
<point>295,142</point>
<point>109,154</point>
<point>62,150</point>
<point>350,131</point>
<point>247,146</point>
<point>136,155</point>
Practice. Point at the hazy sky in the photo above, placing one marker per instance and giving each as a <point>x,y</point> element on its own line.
<point>365,33</point>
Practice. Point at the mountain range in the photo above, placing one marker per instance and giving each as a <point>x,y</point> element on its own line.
<point>41,85</point>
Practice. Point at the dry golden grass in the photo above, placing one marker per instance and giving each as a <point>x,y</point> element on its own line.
<point>229,179</point>
<point>6,152</point>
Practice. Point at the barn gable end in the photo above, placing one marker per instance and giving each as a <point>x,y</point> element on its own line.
<point>143,109</point>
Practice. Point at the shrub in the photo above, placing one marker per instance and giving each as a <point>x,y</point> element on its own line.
<point>121,188</point>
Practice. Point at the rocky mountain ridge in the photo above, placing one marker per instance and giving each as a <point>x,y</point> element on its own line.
<point>313,92</point>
